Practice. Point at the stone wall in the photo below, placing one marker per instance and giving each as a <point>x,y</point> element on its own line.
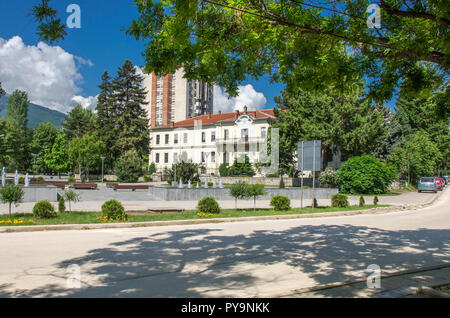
<point>35,194</point>
<point>176,194</point>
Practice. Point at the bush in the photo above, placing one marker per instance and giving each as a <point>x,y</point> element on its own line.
<point>282,185</point>
<point>71,179</point>
<point>239,191</point>
<point>365,175</point>
<point>339,201</point>
<point>61,205</point>
<point>280,203</point>
<point>316,205</point>
<point>113,210</point>
<point>11,193</point>
<point>208,205</point>
<point>128,167</point>
<point>223,170</point>
<point>329,178</point>
<point>44,210</point>
<point>148,179</point>
<point>375,200</point>
<point>361,201</point>
<point>241,167</point>
<point>40,179</point>
<point>184,170</point>
<point>21,180</point>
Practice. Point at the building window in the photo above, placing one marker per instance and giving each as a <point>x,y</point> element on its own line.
<point>167,138</point>
<point>203,157</point>
<point>213,157</point>
<point>226,134</point>
<point>175,139</point>
<point>244,134</point>
<point>175,157</point>
<point>203,137</point>
<point>157,158</point>
<point>213,136</point>
<point>185,138</point>
<point>166,158</point>
<point>158,139</point>
<point>263,132</point>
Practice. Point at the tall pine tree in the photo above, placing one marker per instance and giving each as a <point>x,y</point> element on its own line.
<point>17,108</point>
<point>78,122</point>
<point>131,119</point>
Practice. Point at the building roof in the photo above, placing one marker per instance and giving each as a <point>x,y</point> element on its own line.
<point>214,119</point>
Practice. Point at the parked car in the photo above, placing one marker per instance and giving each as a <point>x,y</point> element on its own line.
<point>439,183</point>
<point>427,184</point>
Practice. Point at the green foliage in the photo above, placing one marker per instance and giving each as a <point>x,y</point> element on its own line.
<point>11,194</point>
<point>114,211</point>
<point>51,28</point>
<point>361,201</point>
<point>184,170</point>
<point>280,203</point>
<point>44,137</point>
<point>71,179</point>
<point>44,210</point>
<point>40,178</point>
<point>79,122</point>
<point>17,108</point>
<point>61,205</point>
<point>152,168</point>
<point>282,185</point>
<point>241,167</point>
<point>71,196</point>
<point>16,142</point>
<point>128,167</point>
<point>147,179</point>
<point>239,191</point>
<point>58,159</point>
<point>329,178</point>
<point>223,169</point>
<point>208,205</point>
<point>316,205</point>
<point>346,123</point>
<point>339,201</point>
<point>86,151</point>
<point>365,174</point>
<point>255,190</point>
<point>417,157</point>
<point>375,200</point>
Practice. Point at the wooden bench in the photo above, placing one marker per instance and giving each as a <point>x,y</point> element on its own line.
<point>132,187</point>
<point>59,184</point>
<point>84,186</point>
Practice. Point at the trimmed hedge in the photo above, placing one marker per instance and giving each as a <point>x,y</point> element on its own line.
<point>44,210</point>
<point>280,203</point>
<point>114,211</point>
<point>339,201</point>
<point>208,205</point>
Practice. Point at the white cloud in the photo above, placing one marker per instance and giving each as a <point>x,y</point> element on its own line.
<point>87,102</point>
<point>47,73</point>
<point>247,96</point>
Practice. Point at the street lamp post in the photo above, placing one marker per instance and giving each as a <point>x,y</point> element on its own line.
<point>103,160</point>
<point>34,165</point>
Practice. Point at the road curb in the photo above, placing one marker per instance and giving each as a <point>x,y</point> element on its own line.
<point>356,281</point>
<point>380,210</point>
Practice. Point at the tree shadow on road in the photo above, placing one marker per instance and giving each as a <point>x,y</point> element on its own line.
<point>208,263</point>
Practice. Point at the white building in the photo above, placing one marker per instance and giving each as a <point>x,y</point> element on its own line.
<point>211,139</point>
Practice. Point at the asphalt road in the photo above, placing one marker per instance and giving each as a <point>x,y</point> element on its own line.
<point>243,259</point>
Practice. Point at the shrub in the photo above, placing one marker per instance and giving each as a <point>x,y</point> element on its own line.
<point>329,178</point>
<point>282,185</point>
<point>316,205</point>
<point>280,203</point>
<point>208,205</point>
<point>375,200</point>
<point>255,190</point>
<point>71,179</point>
<point>365,175</point>
<point>128,167</point>
<point>239,191</point>
<point>241,167</point>
<point>339,201</point>
<point>113,210</point>
<point>11,193</point>
<point>152,168</point>
<point>44,210</point>
<point>148,179</point>
<point>62,205</point>
<point>223,170</point>
<point>71,196</point>
<point>40,179</point>
<point>21,180</point>
<point>361,201</point>
<point>184,170</point>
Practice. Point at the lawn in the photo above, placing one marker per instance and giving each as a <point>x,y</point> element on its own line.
<point>95,217</point>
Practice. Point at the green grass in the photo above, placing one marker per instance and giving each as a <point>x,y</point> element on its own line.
<point>95,217</point>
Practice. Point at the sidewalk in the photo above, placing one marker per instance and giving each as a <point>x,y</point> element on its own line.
<point>92,200</point>
<point>396,285</point>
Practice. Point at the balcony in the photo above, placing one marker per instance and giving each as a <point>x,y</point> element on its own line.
<point>241,140</point>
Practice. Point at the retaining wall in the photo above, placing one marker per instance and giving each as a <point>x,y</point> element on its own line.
<point>35,194</point>
<point>176,194</point>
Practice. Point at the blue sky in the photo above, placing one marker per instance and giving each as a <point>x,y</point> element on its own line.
<point>98,46</point>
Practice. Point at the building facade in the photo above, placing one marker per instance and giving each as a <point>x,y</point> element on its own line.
<point>172,98</point>
<point>211,139</point>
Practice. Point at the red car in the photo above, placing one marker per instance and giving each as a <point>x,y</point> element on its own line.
<point>439,183</point>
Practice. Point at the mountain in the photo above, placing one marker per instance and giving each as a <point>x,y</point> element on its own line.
<point>36,114</point>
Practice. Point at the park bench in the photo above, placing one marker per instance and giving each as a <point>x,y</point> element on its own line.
<point>132,187</point>
<point>84,186</point>
<point>59,184</point>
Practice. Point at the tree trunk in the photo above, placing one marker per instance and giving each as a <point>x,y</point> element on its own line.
<point>9,209</point>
